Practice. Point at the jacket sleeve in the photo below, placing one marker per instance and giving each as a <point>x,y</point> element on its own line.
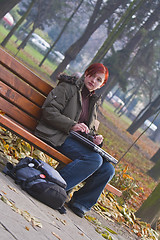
<point>52,110</point>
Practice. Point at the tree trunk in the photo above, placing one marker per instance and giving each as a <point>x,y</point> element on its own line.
<point>92,26</point>
<point>127,103</point>
<point>6,6</point>
<point>24,42</point>
<point>117,30</point>
<point>154,172</point>
<point>18,24</point>
<point>150,210</point>
<point>156,135</point>
<point>144,29</point>
<point>62,31</point>
<point>148,113</point>
<point>156,156</point>
<point>132,44</point>
<point>123,109</point>
<point>107,87</point>
<point>141,113</point>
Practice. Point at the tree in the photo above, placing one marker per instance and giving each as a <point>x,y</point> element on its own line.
<point>4,42</point>
<point>99,15</point>
<point>156,138</point>
<point>117,30</point>
<point>61,32</point>
<point>152,109</point>
<point>154,172</point>
<point>119,61</point>
<point>115,33</point>
<point>156,156</point>
<point>128,102</point>
<point>150,210</point>
<point>6,6</point>
<point>40,16</point>
<point>144,71</point>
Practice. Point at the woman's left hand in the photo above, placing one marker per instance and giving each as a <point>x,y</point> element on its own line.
<point>98,139</point>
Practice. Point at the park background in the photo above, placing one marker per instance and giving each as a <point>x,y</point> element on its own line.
<point>124,35</point>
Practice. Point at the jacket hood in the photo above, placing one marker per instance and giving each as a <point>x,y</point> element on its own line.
<point>79,82</point>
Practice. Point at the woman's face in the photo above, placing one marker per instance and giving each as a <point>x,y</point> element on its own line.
<point>94,82</point>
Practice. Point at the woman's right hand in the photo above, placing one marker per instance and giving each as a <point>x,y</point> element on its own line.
<point>80,127</point>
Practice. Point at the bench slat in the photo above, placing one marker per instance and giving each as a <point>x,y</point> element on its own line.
<point>18,68</point>
<point>18,100</point>
<point>16,114</point>
<point>22,87</point>
<point>33,140</point>
<point>114,190</point>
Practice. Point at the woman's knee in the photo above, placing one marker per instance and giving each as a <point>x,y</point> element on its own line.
<point>97,160</point>
<point>109,169</point>
<point>112,170</point>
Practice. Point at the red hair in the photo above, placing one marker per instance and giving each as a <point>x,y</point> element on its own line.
<point>97,68</point>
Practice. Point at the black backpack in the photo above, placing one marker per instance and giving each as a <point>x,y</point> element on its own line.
<point>40,180</point>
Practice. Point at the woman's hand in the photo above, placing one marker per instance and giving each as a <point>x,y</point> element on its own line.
<point>80,127</point>
<point>98,139</point>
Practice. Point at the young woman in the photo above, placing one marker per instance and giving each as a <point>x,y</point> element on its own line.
<point>72,105</point>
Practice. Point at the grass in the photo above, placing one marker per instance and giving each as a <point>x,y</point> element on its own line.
<point>28,55</point>
<point>109,107</point>
<point>3,32</point>
<point>118,141</point>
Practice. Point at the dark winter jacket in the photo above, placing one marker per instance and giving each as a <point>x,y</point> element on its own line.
<point>61,110</point>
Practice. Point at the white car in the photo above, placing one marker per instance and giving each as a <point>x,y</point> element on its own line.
<point>57,57</point>
<point>39,43</point>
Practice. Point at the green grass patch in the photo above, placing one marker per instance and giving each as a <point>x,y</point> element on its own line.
<point>3,32</point>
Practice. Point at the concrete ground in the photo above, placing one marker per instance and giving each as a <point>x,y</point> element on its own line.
<point>20,215</point>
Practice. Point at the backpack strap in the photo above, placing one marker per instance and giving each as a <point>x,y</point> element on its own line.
<point>30,179</point>
<point>9,170</point>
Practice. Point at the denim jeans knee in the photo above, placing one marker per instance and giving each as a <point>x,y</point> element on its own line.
<point>87,166</point>
<point>85,162</point>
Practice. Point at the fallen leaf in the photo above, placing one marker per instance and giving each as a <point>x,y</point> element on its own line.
<point>62,221</point>
<point>36,223</point>
<point>26,215</point>
<point>13,189</point>
<point>15,209</point>
<point>3,192</point>
<point>2,113</point>
<point>107,236</point>
<point>5,200</point>
<point>82,234</point>
<point>27,228</point>
<point>110,230</point>
<point>56,236</point>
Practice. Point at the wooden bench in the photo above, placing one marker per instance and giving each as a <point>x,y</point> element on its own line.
<point>22,94</point>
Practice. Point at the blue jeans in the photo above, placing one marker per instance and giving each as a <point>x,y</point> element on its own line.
<point>87,166</point>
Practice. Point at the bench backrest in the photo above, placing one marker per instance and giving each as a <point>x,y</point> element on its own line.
<point>22,92</point>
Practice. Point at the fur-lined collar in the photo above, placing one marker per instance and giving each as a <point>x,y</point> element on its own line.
<point>79,82</point>
<point>71,79</point>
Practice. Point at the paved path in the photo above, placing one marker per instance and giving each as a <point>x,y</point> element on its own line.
<point>13,225</point>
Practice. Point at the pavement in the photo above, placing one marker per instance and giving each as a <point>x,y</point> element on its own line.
<point>23,217</point>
